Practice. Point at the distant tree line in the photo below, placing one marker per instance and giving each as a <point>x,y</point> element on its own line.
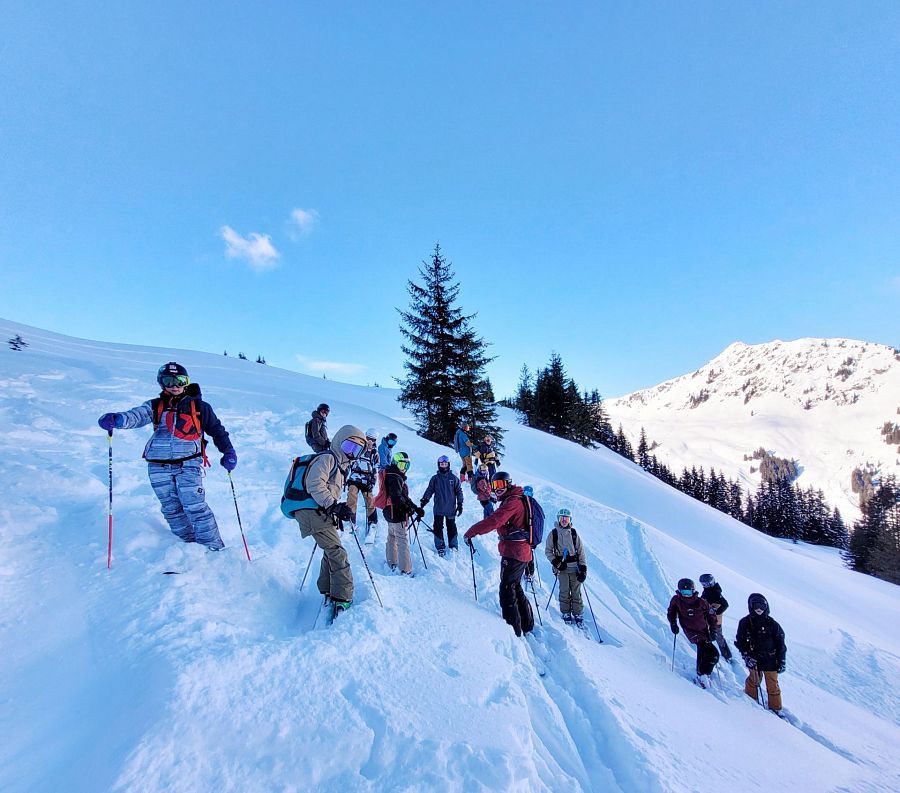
<point>874,546</point>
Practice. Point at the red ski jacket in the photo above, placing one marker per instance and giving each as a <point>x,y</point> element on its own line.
<point>509,518</point>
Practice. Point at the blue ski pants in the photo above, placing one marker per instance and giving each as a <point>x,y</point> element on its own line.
<point>182,500</point>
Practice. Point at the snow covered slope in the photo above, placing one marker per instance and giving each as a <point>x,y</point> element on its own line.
<point>822,402</point>
<point>217,679</point>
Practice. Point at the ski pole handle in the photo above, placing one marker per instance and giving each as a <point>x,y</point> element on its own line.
<point>110,517</point>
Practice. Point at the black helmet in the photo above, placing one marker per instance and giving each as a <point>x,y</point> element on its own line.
<point>707,580</point>
<point>501,481</point>
<point>757,601</point>
<point>174,373</point>
<point>322,407</point>
<point>685,585</point>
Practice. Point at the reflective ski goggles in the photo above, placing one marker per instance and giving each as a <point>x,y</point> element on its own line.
<point>351,447</point>
<point>403,465</point>
<point>391,441</point>
<point>174,380</point>
<point>686,592</point>
<point>499,486</point>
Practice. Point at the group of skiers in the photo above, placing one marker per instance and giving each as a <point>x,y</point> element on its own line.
<point>351,461</point>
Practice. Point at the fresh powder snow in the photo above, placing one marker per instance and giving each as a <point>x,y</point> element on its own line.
<point>223,677</point>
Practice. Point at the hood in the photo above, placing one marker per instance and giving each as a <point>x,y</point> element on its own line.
<point>190,390</point>
<point>347,431</point>
<point>316,414</point>
<point>755,597</point>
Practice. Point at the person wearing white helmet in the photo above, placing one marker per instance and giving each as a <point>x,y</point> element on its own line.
<point>361,479</point>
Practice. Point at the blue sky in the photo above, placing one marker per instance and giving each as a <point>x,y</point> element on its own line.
<point>634,187</point>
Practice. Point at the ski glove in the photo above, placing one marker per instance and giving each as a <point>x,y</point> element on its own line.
<point>459,510</point>
<point>468,541</point>
<point>563,564</point>
<point>342,512</point>
<point>781,667</point>
<point>420,513</point>
<point>529,568</point>
<point>749,662</point>
<point>582,573</point>
<point>423,502</point>
<point>229,460</point>
<point>555,562</point>
<point>674,628</point>
<point>111,421</point>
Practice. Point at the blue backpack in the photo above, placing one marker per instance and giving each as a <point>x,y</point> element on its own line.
<point>533,532</point>
<point>295,495</point>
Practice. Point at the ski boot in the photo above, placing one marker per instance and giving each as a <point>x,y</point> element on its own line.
<point>578,619</point>
<point>410,574</point>
<point>339,607</point>
<point>568,618</point>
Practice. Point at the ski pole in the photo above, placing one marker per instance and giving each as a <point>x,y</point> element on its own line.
<point>355,537</point>
<point>588,594</point>
<point>537,607</point>
<point>308,565</point>
<point>238,512</point>
<point>472,558</point>
<point>674,640</point>
<point>565,554</point>
<point>110,522</point>
<point>421,551</point>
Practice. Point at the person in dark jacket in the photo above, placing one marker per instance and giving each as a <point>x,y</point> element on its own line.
<point>712,594</point>
<point>487,454</point>
<point>699,623</point>
<point>760,641</point>
<point>399,507</point>
<point>509,521</point>
<point>316,431</point>
<point>176,454</point>
<point>448,504</point>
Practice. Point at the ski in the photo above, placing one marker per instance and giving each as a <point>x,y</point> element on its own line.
<point>532,646</point>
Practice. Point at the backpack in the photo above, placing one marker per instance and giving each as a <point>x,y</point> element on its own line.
<point>308,431</point>
<point>554,535</point>
<point>295,495</point>
<point>533,532</point>
<point>381,499</point>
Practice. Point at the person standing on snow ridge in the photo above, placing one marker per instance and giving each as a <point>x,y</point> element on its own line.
<point>361,479</point>
<point>448,503</point>
<point>565,551</point>
<point>324,482</point>
<point>397,512</point>
<point>481,487</point>
<point>509,519</point>
<point>175,453</point>
<point>699,623</point>
<point>316,431</point>
<point>760,640</point>
<point>712,594</point>
<point>386,450</point>
<point>488,454</point>
<point>463,447</point>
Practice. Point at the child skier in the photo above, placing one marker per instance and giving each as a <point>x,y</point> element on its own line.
<point>397,512</point>
<point>362,480</point>
<point>699,623</point>
<point>448,503</point>
<point>712,594</point>
<point>175,453</point>
<point>566,553</point>
<point>481,487</point>
<point>487,453</point>
<point>760,640</point>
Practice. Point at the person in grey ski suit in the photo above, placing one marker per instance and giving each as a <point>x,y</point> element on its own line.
<point>448,504</point>
<point>324,482</point>
<point>565,551</point>
<point>175,453</point>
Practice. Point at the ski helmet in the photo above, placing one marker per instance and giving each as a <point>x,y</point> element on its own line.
<point>171,375</point>
<point>391,438</point>
<point>564,513</point>
<point>488,438</point>
<point>707,580</point>
<point>443,461</point>
<point>466,426</point>
<point>372,434</point>
<point>528,490</point>
<point>500,481</point>
<point>757,601</point>
<point>323,406</point>
<point>401,460</point>
<point>686,586</point>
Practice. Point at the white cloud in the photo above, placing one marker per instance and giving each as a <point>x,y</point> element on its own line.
<point>338,367</point>
<point>257,249</point>
<point>303,221</point>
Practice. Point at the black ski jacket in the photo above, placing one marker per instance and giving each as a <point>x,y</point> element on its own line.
<point>713,595</point>
<point>760,637</point>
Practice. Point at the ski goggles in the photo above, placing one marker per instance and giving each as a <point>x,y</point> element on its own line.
<point>351,447</point>
<point>403,465</point>
<point>499,486</point>
<point>686,592</point>
<point>391,441</point>
<point>174,380</point>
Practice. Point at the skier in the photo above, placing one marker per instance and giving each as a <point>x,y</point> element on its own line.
<point>699,623</point>
<point>463,447</point>
<point>397,512</point>
<point>386,450</point>
<point>362,480</point>
<point>481,487</point>
<point>324,482</point>
<point>712,594</point>
<point>515,554</point>
<point>176,452</point>
<point>760,640</point>
<point>316,431</point>
<point>488,454</point>
<point>565,551</point>
<point>448,503</point>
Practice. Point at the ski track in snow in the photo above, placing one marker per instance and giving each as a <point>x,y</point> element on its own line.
<point>224,677</point>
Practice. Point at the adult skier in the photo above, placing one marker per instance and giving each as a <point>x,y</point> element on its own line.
<point>565,551</point>
<point>448,504</point>
<point>386,450</point>
<point>361,479</point>
<point>399,507</point>
<point>481,486</point>
<point>487,453</point>
<point>760,640</point>
<point>324,482</point>
<point>463,446</point>
<point>699,623</point>
<point>712,594</point>
<point>509,519</point>
<point>316,430</point>
<point>176,452</point>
